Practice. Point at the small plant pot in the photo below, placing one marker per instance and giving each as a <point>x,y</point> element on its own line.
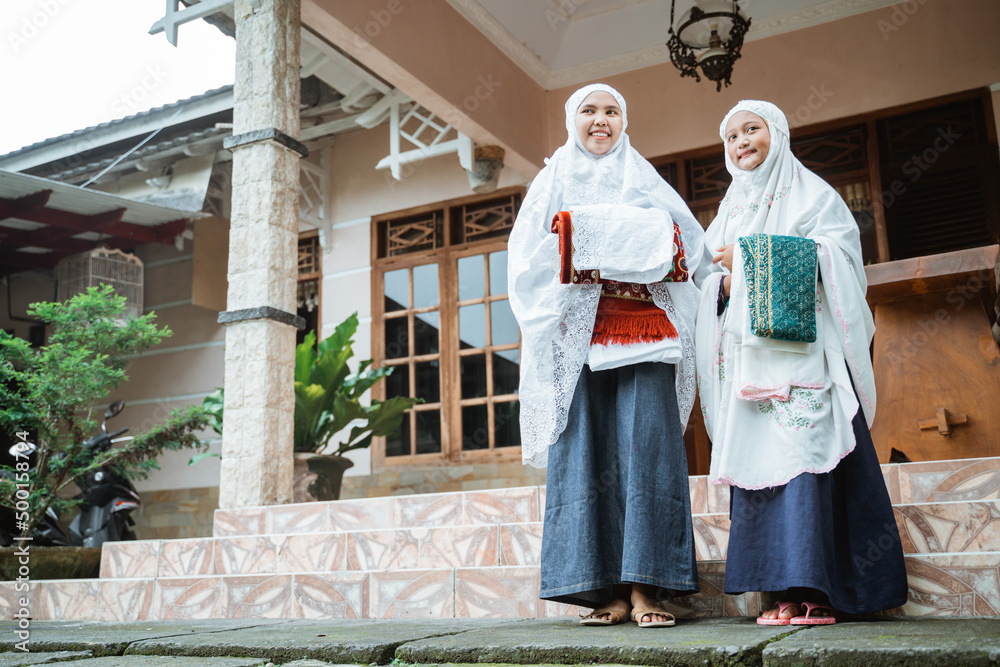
<point>318,476</point>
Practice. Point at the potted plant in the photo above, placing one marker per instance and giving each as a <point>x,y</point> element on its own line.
<point>327,402</point>
<point>51,392</point>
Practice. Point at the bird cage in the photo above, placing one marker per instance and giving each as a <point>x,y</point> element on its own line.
<point>103,266</point>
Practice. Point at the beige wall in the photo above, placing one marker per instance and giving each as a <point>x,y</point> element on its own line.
<point>431,53</point>
<point>856,64</point>
<point>24,288</point>
<point>180,371</point>
<point>358,193</point>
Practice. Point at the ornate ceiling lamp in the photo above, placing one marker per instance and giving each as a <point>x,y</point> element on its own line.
<point>710,36</point>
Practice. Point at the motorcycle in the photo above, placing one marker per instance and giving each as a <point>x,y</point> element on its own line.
<point>108,498</point>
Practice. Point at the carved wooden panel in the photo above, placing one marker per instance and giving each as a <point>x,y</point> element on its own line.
<point>309,259</point>
<point>924,362</point>
<point>413,235</point>
<point>668,172</point>
<point>707,177</point>
<point>488,220</point>
<point>836,153</point>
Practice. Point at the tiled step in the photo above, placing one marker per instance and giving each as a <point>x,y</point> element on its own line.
<point>476,554</point>
<point>949,527</point>
<point>940,585</point>
<point>907,483</point>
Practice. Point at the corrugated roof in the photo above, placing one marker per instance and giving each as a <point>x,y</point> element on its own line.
<point>145,151</point>
<point>88,202</point>
<point>118,122</point>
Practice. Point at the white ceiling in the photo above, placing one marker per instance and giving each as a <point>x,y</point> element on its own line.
<point>564,42</point>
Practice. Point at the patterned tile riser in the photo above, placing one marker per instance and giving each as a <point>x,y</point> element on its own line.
<point>940,585</point>
<point>907,483</point>
<point>957,527</point>
<point>490,569</point>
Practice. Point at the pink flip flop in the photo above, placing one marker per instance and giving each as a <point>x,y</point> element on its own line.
<point>782,606</point>
<point>810,607</point>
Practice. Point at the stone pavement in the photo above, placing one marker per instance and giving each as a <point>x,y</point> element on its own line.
<point>317,643</point>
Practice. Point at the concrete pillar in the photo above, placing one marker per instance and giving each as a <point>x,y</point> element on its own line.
<point>263,246</point>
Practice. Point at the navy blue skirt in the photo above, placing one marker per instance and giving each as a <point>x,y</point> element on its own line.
<point>833,532</point>
<point>617,505</point>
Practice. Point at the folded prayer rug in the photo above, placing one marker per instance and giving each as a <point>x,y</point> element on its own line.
<point>781,286</point>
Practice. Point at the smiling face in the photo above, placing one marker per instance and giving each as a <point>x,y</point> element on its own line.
<point>599,122</point>
<point>747,140</point>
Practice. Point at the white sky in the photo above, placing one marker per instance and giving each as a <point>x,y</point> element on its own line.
<point>70,64</point>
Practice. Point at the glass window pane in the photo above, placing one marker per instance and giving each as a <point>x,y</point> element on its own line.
<point>428,377</point>
<point>506,372</point>
<point>498,273</point>
<point>398,444</point>
<point>425,286</point>
<point>472,325</point>
<point>397,339</point>
<point>507,430</point>
<point>426,328</point>
<point>473,369</point>
<point>428,431</point>
<point>397,290</point>
<point>503,326</point>
<point>397,383</point>
<point>475,432</point>
<point>470,278</point>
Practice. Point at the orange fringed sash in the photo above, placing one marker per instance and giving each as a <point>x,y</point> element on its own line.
<point>626,312</point>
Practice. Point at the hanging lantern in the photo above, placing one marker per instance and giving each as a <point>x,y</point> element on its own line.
<point>709,36</point>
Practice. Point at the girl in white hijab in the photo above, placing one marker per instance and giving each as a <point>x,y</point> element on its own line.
<point>789,420</point>
<point>607,369</point>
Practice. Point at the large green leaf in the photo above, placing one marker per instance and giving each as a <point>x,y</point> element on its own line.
<point>309,409</point>
<point>305,358</point>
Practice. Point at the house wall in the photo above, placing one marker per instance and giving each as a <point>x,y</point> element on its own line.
<point>24,289</point>
<point>862,63</point>
<point>182,369</point>
<point>431,53</point>
<point>178,500</point>
<point>358,193</point>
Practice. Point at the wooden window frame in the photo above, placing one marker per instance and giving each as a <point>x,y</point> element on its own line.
<point>446,258</point>
<point>316,275</point>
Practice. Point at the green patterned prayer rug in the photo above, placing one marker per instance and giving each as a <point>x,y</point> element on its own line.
<point>781,285</point>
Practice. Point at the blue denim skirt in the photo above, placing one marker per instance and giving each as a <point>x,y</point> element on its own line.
<point>617,505</point>
<point>833,533</point>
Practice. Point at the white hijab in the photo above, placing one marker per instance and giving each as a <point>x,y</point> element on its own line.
<point>783,197</point>
<point>557,320</point>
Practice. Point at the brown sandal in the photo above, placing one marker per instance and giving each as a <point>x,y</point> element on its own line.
<point>639,612</point>
<point>617,617</point>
